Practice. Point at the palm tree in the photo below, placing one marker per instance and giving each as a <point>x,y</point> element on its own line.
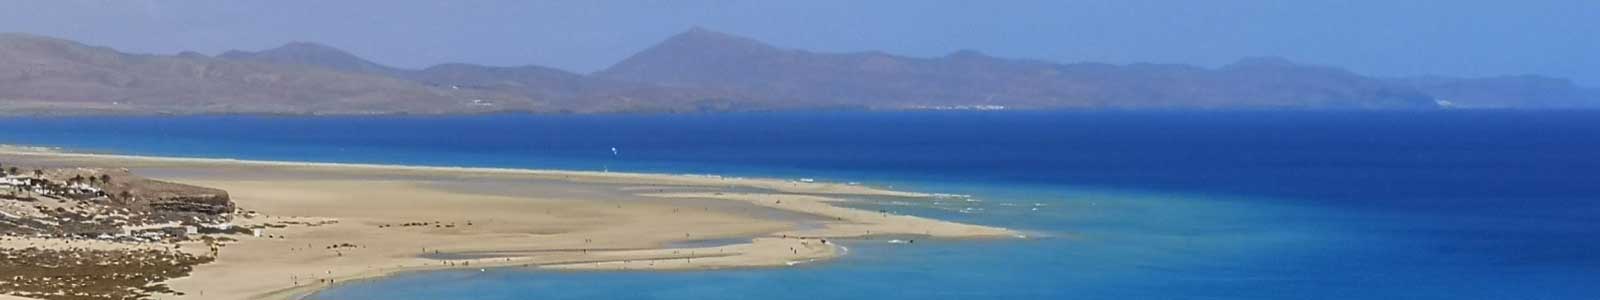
<point>105,178</point>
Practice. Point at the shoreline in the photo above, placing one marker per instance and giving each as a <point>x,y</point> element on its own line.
<point>758,182</point>
<point>618,221</point>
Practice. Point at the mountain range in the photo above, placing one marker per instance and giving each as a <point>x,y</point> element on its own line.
<point>702,70</point>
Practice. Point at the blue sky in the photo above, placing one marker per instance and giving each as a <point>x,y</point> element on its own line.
<point>1384,38</point>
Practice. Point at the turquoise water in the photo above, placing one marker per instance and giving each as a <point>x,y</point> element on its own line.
<point>1142,205</point>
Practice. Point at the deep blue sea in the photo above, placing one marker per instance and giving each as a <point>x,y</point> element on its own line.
<point>1126,205</point>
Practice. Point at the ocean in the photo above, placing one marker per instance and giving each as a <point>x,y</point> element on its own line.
<point>1120,204</point>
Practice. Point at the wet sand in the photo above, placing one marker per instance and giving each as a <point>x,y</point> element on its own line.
<point>333,223</point>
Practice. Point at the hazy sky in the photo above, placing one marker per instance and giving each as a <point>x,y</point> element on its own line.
<point>1380,37</point>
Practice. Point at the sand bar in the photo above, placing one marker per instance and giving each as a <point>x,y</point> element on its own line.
<point>336,223</point>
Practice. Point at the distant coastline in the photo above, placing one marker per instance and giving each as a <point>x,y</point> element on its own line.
<point>701,70</point>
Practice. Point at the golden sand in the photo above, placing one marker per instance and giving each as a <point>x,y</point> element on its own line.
<point>343,222</point>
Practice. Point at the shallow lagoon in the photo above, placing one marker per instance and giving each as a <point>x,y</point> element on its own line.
<point>1421,205</point>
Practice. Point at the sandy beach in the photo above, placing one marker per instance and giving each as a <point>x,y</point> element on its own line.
<point>333,223</point>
